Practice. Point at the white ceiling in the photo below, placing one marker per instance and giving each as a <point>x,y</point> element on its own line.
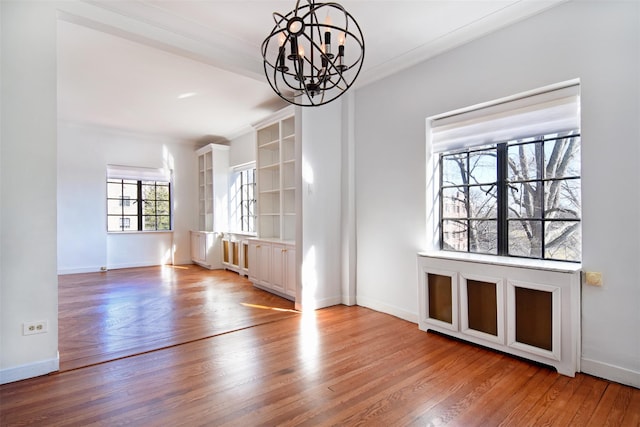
<point>192,70</point>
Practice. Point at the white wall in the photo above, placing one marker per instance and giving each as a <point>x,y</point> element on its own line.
<point>28,175</point>
<point>83,242</point>
<point>242,149</point>
<point>598,42</point>
<point>319,244</point>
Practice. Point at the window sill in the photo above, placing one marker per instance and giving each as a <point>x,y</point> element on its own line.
<point>140,232</point>
<point>534,264</point>
<point>240,233</point>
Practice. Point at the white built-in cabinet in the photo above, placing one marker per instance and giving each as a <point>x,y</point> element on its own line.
<point>272,255</point>
<point>528,308</point>
<point>276,172</point>
<point>272,266</point>
<point>213,169</point>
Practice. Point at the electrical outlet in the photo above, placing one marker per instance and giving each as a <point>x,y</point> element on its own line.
<point>593,278</point>
<point>31,328</point>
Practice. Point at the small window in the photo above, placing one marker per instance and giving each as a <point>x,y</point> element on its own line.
<point>142,204</point>
<point>242,199</point>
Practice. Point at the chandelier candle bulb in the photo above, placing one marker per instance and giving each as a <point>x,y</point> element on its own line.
<point>327,36</point>
<point>294,49</point>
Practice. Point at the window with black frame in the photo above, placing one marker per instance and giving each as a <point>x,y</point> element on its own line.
<point>242,200</point>
<point>137,204</point>
<point>509,175</point>
<point>517,198</point>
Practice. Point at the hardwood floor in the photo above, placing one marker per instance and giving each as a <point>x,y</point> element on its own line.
<point>105,316</point>
<point>337,366</point>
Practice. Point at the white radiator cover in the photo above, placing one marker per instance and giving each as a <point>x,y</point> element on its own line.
<point>560,280</point>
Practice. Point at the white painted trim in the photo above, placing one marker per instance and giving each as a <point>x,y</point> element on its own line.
<point>29,370</point>
<point>463,295</point>
<point>97,269</point>
<point>275,117</point>
<point>556,316</point>
<point>610,372</point>
<point>388,309</point>
<point>348,300</point>
<point>327,302</point>
<point>423,299</point>
<point>135,265</point>
<point>92,269</point>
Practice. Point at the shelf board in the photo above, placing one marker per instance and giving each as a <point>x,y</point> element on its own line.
<point>289,161</point>
<point>289,189</point>
<point>268,145</point>
<point>270,214</point>
<point>274,191</point>
<point>272,166</point>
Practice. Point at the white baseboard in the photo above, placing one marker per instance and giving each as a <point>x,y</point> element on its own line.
<point>29,370</point>
<point>94,269</point>
<point>97,269</point>
<point>327,302</point>
<point>610,372</point>
<point>349,300</point>
<point>388,309</point>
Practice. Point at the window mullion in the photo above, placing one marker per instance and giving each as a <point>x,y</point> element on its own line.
<point>467,197</point>
<point>543,207</point>
<point>502,199</point>
<point>122,204</point>
<point>139,208</point>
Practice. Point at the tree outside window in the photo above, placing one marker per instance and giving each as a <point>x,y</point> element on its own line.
<point>517,198</point>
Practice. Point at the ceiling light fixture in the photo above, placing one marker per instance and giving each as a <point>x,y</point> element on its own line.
<point>300,62</point>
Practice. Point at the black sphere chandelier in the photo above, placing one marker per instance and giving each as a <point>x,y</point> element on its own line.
<point>300,62</point>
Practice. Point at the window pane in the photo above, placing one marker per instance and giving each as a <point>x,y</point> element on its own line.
<point>483,166</point>
<point>162,208</point>
<point>114,190</point>
<point>454,235</point>
<point>562,157</point>
<point>453,203</point>
<point>130,191</point>
<point>525,238</point>
<point>523,162</point>
<point>483,237</point>
<point>162,192</point>
<point>524,200</point>
<point>562,199</point>
<point>149,208</point>
<point>114,207</point>
<point>149,223</point>
<point>149,191</point>
<point>164,222</point>
<point>120,207</point>
<point>120,223</point>
<point>454,169</point>
<point>562,240</point>
<point>483,201</point>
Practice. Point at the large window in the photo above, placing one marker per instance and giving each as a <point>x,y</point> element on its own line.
<point>508,176</point>
<point>242,199</point>
<point>136,201</point>
<point>517,198</point>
